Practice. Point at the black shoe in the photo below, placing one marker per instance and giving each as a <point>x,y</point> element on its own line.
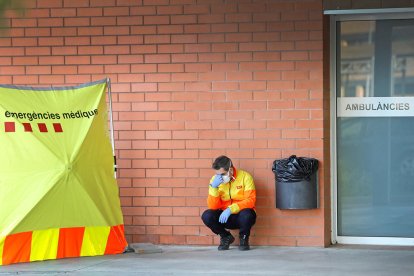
<point>244,243</point>
<point>225,242</point>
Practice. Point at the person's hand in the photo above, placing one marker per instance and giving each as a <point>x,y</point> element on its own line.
<point>225,215</point>
<point>218,179</point>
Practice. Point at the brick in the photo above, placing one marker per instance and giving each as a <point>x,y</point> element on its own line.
<point>292,134</point>
<point>158,116</point>
<point>169,239</point>
<point>77,60</point>
<point>77,41</point>
<point>24,42</point>
<point>64,31</point>
<point>116,30</point>
<point>160,58</point>
<point>90,69</point>
<point>50,41</point>
<point>63,12</point>
<point>186,230</point>
<point>132,59</point>
<point>197,28</point>
<point>6,79</point>
<point>142,10</point>
<point>116,50</point>
<point>309,84</point>
<point>158,211</point>
<point>5,42</point>
<point>129,20</point>
<point>211,57</point>
<point>289,36</point>
<point>118,69</point>
<point>225,86</point>
<point>238,17</point>
<point>238,57</point>
<point>102,3</point>
<point>158,135</point>
<point>160,230</point>
<point>156,39</point>
<point>102,21</point>
<point>89,50</point>
<point>196,9</point>
<point>183,58</point>
<point>143,49</point>
<point>188,38</point>
<point>172,220</point>
<point>197,48</point>
<point>254,7</point>
<point>211,18</point>
<point>299,55</point>
<point>210,38</point>
<point>15,32</point>
<point>156,20</point>
<point>172,144</point>
<point>170,106</point>
<point>158,97</point>
<point>36,32</point>
<point>12,70</point>
<point>169,9</point>
<point>23,22</point>
<point>18,60</point>
<point>156,2</point>
<point>171,68</point>
<point>25,80</point>
<point>144,126</point>
<point>77,79</point>
<point>170,48</point>
<point>38,70</point>
<point>170,164</point>
<point>116,11</point>
<point>170,87</point>
<point>147,220</point>
<point>90,31</point>
<point>183,19</point>
<point>103,59</point>
<point>36,13</point>
<point>75,3</point>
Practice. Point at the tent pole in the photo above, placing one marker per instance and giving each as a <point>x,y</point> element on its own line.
<point>108,82</point>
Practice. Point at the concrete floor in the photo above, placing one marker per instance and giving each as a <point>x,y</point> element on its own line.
<point>198,260</point>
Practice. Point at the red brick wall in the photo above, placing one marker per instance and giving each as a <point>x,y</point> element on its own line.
<point>191,80</point>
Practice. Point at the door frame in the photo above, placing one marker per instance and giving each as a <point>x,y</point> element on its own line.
<point>335,17</point>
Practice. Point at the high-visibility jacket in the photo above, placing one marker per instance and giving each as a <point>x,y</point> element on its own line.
<point>238,194</point>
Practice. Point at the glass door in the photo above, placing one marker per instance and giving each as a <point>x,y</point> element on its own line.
<point>375,129</point>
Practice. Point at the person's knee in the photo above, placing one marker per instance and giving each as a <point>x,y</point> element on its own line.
<point>208,216</point>
<point>247,216</point>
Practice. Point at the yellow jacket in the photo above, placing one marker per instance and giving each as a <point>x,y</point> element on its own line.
<point>238,194</point>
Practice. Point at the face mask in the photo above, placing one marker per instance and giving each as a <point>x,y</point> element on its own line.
<point>226,178</point>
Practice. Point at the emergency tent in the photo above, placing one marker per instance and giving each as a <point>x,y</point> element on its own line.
<point>58,193</point>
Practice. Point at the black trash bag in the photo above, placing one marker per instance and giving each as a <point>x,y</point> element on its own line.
<point>294,169</point>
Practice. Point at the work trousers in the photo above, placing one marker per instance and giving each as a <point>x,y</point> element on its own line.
<point>244,221</point>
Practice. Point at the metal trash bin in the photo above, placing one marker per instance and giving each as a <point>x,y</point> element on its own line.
<point>296,183</point>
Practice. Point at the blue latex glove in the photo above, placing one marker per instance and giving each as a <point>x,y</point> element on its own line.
<point>218,179</point>
<point>225,215</point>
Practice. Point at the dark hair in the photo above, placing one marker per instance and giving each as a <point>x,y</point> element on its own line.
<point>222,162</point>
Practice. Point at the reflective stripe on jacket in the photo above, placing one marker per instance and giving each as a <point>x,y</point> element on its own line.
<point>238,194</point>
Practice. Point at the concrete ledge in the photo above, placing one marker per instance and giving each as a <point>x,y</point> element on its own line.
<point>143,248</point>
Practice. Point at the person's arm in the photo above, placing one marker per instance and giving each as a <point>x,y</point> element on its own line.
<point>214,200</point>
<point>249,200</point>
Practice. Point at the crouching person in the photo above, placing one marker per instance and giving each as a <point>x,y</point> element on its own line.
<point>231,202</point>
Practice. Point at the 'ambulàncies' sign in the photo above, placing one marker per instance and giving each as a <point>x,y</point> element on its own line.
<point>375,107</point>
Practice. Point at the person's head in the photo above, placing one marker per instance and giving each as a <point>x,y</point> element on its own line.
<point>223,165</point>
